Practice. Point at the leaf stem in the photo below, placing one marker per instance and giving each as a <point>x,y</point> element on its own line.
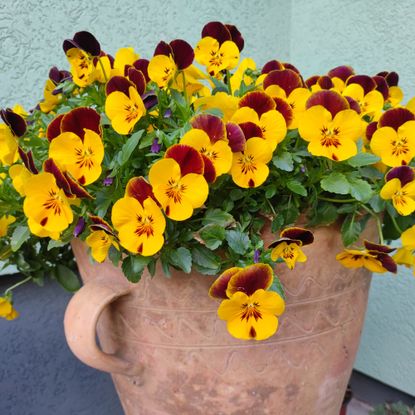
<point>378,222</point>
<point>330,199</point>
<point>184,89</point>
<point>102,68</point>
<point>17,285</point>
<point>228,81</point>
<point>395,224</point>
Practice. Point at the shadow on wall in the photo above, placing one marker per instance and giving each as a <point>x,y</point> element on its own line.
<point>38,373</point>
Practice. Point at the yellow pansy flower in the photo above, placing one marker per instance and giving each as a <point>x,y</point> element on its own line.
<point>161,69</point>
<point>370,104</point>
<point>82,67</point>
<point>100,242</point>
<point>249,167</point>
<point>6,309</point>
<point>5,221</point>
<point>46,206</point>
<point>124,110</point>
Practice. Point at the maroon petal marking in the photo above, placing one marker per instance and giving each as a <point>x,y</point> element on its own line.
<point>285,109</point>
<point>392,78</point>
<point>14,121</point>
<point>76,189</point>
<point>219,286</point>
<point>372,247</point>
<point>139,188</point>
<point>309,82</point>
<point>118,83</point>
<point>287,79</point>
<point>28,161</point>
<point>50,166</point>
<point>236,137</point>
<point>273,65</point>
<point>142,65</point>
<point>78,119</point>
<point>387,262</point>
<point>251,278</point>
<point>404,173</point>
<point>301,234</point>
<point>382,86</point>
<point>343,72</point>
<point>163,48</point>
<point>395,117</point>
<point>370,129</point>
<point>258,101</point>
<point>137,78</point>
<point>287,240</point>
<point>354,105</point>
<point>330,100</point>
<point>250,130</point>
<point>99,224</point>
<point>218,31</point>
<point>54,75</point>
<point>54,127</point>
<point>213,126</point>
<point>365,81</point>
<point>189,159</point>
<point>290,66</point>
<point>182,53</point>
<point>236,36</point>
<point>209,172</point>
<point>325,82</point>
<point>87,42</point>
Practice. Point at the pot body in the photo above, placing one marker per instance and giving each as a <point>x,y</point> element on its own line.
<point>188,364</point>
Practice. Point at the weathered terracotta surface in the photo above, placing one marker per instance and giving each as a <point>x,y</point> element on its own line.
<point>171,355</point>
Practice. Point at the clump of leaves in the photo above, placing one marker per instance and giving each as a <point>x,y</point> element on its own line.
<point>397,408</point>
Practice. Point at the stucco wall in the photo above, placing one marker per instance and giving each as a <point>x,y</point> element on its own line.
<point>372,36</point>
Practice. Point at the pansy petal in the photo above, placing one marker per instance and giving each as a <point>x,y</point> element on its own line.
<point>218,288</point>
<point>78,119</point>
<point>330,100</point>
<point>235,137</point>
<point>189,159</point>
<point>118,83</point>
<point>182,52</point>
<point>54,127</point>
<point>139,188</point>
<point>213,126</point>
<point>287,79</point>
<point>251,278</point>
<point>395,117</point>
<point>259,101</point>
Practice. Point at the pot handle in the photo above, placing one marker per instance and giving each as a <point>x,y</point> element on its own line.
<point>81,317</point>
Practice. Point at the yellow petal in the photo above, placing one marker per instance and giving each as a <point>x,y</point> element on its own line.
<point>312,121</point>
<point>408,238</point>
<point>349,124</point>
<point>125,56</point>
<point>274,128</point>
<point>205,49</point>
<point>245,114</point>
<point>161,69</point>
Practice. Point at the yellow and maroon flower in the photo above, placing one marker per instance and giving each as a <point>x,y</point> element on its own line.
<point>257,117</point>
<point>52,96</point>
<point>394,139</point>
<point>138,219</point>
<point>123,106</point>
<point>250,311</point>
<point>14,127</point>
<point>394,92</point>
<point>374,257</point>
<point>288,247</point>
<point>249,167</point>
<point>78,149</point>
<point>46,206</point>
<point>219,47</point>
<point>178,182</point>
<point>208,137</point>
<point>168,59</point>
<point>400,188</point>
<point>370,104</point>
<point>100,243</point>
<point>330,127</point>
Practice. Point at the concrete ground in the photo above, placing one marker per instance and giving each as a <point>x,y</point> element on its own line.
<point>358,408</point>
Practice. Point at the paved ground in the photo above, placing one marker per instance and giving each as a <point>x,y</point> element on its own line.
<point>358,408</point>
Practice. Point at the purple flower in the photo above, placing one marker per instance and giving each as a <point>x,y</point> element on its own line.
<point>80,226</point>
<point>108,181</point>
<point>257,254</point>
<point>155,147</point>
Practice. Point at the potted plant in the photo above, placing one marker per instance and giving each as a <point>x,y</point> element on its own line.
<point>264,198</point>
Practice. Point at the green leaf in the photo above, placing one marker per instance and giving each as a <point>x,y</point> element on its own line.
<point>238,241</point>
<point>151,267</point>
<point>277,287</point>
<point>362,159</point>
<point>133,267</point>
<point>55,244</point>
<point>67,278</point>
<point>336,183</point>
<point>360,189</point>
<point>206,260</point>
<point>297,187</point>
<point>217,217</point>
<point>114,255</point>
<point>350,230</point>
<point>377,204</point>
<point>128,148</point>
<point>325,214</point>
<point>277,223</point>
<point>20,235</point>
<point>213,235</point>
<point>283,161</point>
<point>181,258</point>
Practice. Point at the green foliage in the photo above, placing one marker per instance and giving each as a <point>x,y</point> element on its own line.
<point>397,408</point>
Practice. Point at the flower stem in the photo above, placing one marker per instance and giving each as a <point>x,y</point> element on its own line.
<point>228,80</point>
<point>330,199</point>
<point>395,224</point>
<point>102,68</point>
<point>378,222</point>
<point>184,89</point>
<point>17,284</point>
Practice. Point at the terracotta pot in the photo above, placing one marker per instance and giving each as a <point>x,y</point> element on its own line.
<point>169,354</point>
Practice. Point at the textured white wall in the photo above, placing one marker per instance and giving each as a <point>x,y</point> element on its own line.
<point>32,32</point>
<point>372,36</point>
